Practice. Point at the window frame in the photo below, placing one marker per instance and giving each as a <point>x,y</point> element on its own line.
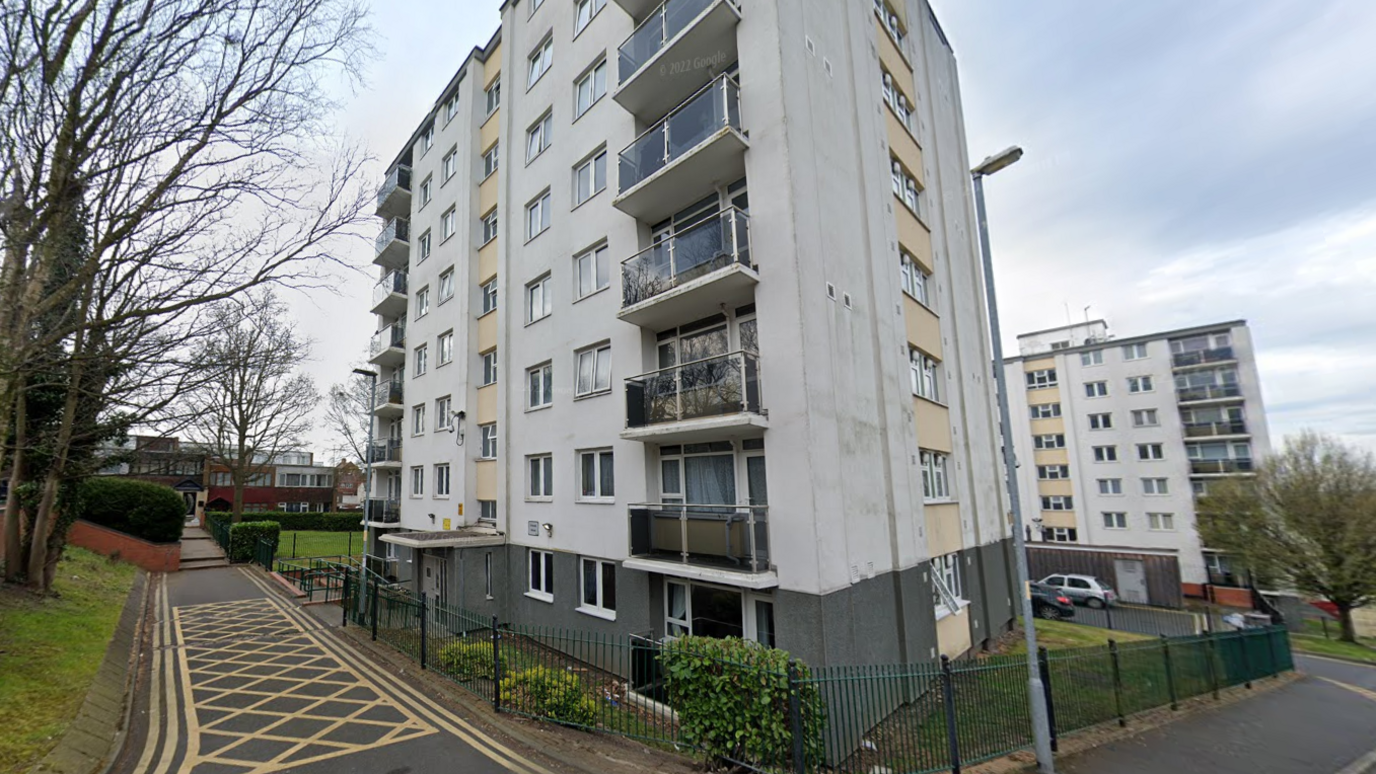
<point>924,373</point>
<point>540,562</point>
<point>542,204</point>
<point>441,475</point>
<point>602,570</point>
<point>543,53</point>
<point>492,160</point>
<point>1160,484</point>
<point>1101,421</point>
<point>423,246</point>
<point>600,256</point>
<point>449,224</point>
<point>1096,389</point>
<point>445,285</point>
<point>1138,385</point>
<point>444,346</point>
<point>1094,357</point>
<point>539,488</point>
<point>1136,351</point>
<point>596,351</point>
<point>1120,522</point>
<point>595,7</point>
<point>1144,414</point>
<point>1044,410</point>
<point>539,136</point>
<point>539,292</point>
<point>600,458</point>
<point>418,420</point>
<point>425,192</point>
<point>1156,452</point>
<point>543,373</point>
<point>1041,379</point>
<point>936,482</point>
<point>449,166</point>
<point>1044,472</point>
<point>488,291</point>
<point>489,368</point>
<point>487,435</point>
<point>1160,522</point>
<point>422,357</point>
<point>589,76</point>
<point>1058,503</point>
<point>417,480</point>
<point>1110,453</point>
<point>581,197</point>
<point>1110,487</point>
<point>1040,442</point>
<point>913,278</point>
<point>490,224</point>
<point>493,93</point>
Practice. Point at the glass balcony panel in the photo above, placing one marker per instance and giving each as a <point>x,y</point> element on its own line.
<point>686,126</point>
<point>384,511</point>
<point>732,537</point>
<point>394,282</point>
<point>1203,356</point>
<point>388,392</point>
<point>728,384</point>
<point>393,335</point>
<point>711,245</point>
<point>385,451</point>
<point>397,229</point>
<point>398,179</point>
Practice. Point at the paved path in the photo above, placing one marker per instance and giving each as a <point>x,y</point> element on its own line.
<point>1317,725</point>
<point>243,682</point>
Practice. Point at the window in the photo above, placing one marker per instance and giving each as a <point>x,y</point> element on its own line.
<point>1092,358</point>
<point>427,140</point>
<point>1161,522</point>
<point>535,6</point>
<point>1115,520</point>
<point>1155,486</point>
<point>1134,351</point>
<point>445,345</point>
<point>589,89</point>
<point>442,411</point>
<point>446,285</point>
<point>426,189</point>
<point>594,373</point>
<point>494,96</point>
<point>537,216</point>
<point>1045,410</point>
<point>589,178</point>
<point>1058,503</point>
<point>541,575</point>
<point>423,247</point>
<point>596,475</point>
<point>1200,488</point>
<point>489,368</point>
<point>451,108</point>
<point>450,165</point>
<point>313,480</point>
<point>422,302</point>
<point>1096,389</point>
<point>490,160</point>
<point>934,483</point>
<point>417,481</point>
<point>541,481</point>
<point>442,480</point>
<point>541,58</point>
<point>1110,486</point>
<point>946,583</point>
<point>488,434</point>
<point>896,100</point>
<point>924,375</point>
<point>1036,380</point>
<point>539,304</point>
<point>490,226</point>
<point>1053,472</point>
<point>1150,451</point>
<point>1139,384</point>
<point>487,511</point>
<point>1144,418</point>
<point>538,136</point>
<point>599,588</point>
<point>489,296</point>
<point>1059,345</point>
<point>448,222</point>
<point>540,384</point>
<point>591,271</point>
<point>913,277</point>
<point>1105,453</point>
<point>583,11</point>
<point>420,360</point>
<point>418,419</point>
<point>1100,421</point>
<point>1052,441</point>
<point>905,187</point>
<point>1060,535</point>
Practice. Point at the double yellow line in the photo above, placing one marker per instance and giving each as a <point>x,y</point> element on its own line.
<point>164,710</point>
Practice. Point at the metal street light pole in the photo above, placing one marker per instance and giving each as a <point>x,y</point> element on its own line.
<point>1041,726</point>
<point>368,462</point>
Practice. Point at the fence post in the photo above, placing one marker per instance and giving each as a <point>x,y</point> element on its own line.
<point>496,668</point>
<point>1271,651</point>
<point>948,696</point>
<point>1117,683</point>
<point>375,609</point>
<point>344,601</point>
<point>1246,660</point>
<point>1212,647</point>
<point>422,630</point>
<point>795,719</point>
<point>1044,666</point>
<point>1170,673</point>
<point>293,545</point>
<point>1108,611</point>
<point>351,545</point>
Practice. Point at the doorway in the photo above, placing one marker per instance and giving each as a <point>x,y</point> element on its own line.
<point>1132,580</point>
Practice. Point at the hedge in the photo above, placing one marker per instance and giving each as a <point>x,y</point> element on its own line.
<point>301,522</point>
<point>244,537</point>
<point>153,512</point>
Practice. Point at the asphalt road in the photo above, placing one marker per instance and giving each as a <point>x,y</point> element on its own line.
<point>1317,725</point>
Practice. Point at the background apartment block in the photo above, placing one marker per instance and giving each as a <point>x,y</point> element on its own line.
<point>681,331</point>
<point>1117,437</point>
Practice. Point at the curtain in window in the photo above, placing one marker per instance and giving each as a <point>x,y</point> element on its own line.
<point>711,479</point>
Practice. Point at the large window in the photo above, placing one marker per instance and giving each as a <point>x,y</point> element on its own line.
<point>599,588</point>
<point>589,178</point>
<point>489,368</point>
<point>540,386</point>
<point>594,372</point>
<point>537,216</point>
<point>488,435</point>
<point>539,136</point>
<point>445,344</point>
<point>935,486</point>
<point>591,271</point>
<point>590,88</point>
<point>442,480</point>
<point>539,303</point>
<point>540,60</point>
<point>596,475</point>
<point>905,187</point>
<point>310,480</point>
<point>1045,377</point>
<point>541,575</point>
<point>541,476</point>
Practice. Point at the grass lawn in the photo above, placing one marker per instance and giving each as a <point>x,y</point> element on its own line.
<point>1055,635</point>
<point>303,544</point>
<point>50,650</point>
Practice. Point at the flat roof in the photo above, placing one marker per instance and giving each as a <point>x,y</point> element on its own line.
<point>448,538</point>
<point>1125,340</point>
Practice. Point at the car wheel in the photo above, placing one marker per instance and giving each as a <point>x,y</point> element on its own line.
<point>1095,602</point>
<point>1049,613</point>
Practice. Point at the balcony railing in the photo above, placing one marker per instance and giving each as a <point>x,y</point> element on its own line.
<point>660,27</point>
<point>732,537</point>
<point>1208,392</point>
<point>383,511</point>
<point>393,335</point>
<point>1203,356</point>
<point>1221,466</point>
<point>716,105</point>
<point>696,252</point>
<point>727,384</point>
<point>1202,429</point>
<point>393,282</point>
<point>398,178</point>
<point>385,451</point>
<point>396,229</point>
<point>388,391</point>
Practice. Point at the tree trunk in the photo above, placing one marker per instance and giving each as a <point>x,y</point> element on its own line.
<point>43,529</point>
<point>14,515</point>
<point>237,509</point>
<point>1347,629</point>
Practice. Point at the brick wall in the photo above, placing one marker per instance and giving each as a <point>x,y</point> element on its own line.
<point>154,557</point>
<point>1231,596</point>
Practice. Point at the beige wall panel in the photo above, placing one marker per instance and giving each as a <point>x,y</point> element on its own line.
<point>1047,426</point>
<point>1059,519</point>
<point>933,422</point>
<point>913,236</point>
<point>487,404</point>
<point>924,327</point>
<point>943,528</point>
<point>487,333</point>
<point>1051,457</point>
<point>1062,486</point>
<point>487,479</point>
<point>488,134</point>
<point>487,262</point>
<point>953,634</point>
<point>487,194</point>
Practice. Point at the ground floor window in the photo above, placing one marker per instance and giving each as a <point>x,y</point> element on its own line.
<point>599,588</point>
<point>714,611</point>
<point>1060,535</point>
<point>542,575</point>
<point>948,594</point>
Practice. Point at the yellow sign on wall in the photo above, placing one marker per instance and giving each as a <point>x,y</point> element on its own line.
<point>446,523</point>
<point>460,509</point>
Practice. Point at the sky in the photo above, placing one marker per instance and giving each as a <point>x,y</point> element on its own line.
<point>1186,163</point>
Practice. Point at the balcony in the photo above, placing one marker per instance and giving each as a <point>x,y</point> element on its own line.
<point>1207,393</point>
<point>389,295</point>
<point>709,399</point>
<point>679,47</point>
<point>387,398</point>
<point>1216,467</point>
<point>691,274</point>
<point>388,347</point>
<point>394,197</point>
<point>385,453</point>
<point>394,244</point>
<point>718,542</point>
<point>383,511</point>
<point>1202,357</point>
<point>1209,429</point>
<point>696,146</point>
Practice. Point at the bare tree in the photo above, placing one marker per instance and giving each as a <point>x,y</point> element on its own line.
<point>348,414</point>
<point>258,404</point>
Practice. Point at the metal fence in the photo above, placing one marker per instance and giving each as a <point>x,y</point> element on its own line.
<point>302,544</point>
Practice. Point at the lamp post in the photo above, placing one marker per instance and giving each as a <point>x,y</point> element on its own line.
<point>368,462</point>
<point>1041,726</point>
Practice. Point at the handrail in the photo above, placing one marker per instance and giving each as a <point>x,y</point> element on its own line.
<point>714,243</point>
<point>685,364</point>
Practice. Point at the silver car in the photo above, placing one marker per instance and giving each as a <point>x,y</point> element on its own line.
<point>1083,589</point>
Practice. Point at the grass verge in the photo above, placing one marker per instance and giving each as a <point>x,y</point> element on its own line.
<point>303,543</point>
<point>1318,646</point>
<point>1057,635</point>
<point>50,649</point>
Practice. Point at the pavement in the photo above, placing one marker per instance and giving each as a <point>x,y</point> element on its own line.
<point>242,681</point>
<point>1324,723</point>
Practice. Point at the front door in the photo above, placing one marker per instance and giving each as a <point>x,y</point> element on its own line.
<point>1132,580</point>
<point>432,577</point>
<point>190,499</point>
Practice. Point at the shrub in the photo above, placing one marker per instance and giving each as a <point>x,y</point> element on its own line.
<point>244,537</point>
<point>153,512</point>
<point>549,693</point>
<point>301,522</point>
<point>467,659</point>
<point>732,696</point>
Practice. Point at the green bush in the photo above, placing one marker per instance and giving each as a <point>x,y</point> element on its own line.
<point>143,509</point>
<point>244,537</point>
<point>551,694</point>
<point>301,522</point>
<point>732,695</point>
<point>467,659</point>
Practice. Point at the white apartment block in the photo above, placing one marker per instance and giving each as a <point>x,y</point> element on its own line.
<point>1117,436</point>
<point>680,331</point>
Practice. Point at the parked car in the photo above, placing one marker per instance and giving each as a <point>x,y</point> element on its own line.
<point>1083,589</point>
<point>1050,603</point>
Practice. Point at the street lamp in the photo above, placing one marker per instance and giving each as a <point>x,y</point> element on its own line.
<point>368,461</point>
<point>1041,727</point>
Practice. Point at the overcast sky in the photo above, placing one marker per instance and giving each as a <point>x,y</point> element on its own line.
<point>1186,163</point>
